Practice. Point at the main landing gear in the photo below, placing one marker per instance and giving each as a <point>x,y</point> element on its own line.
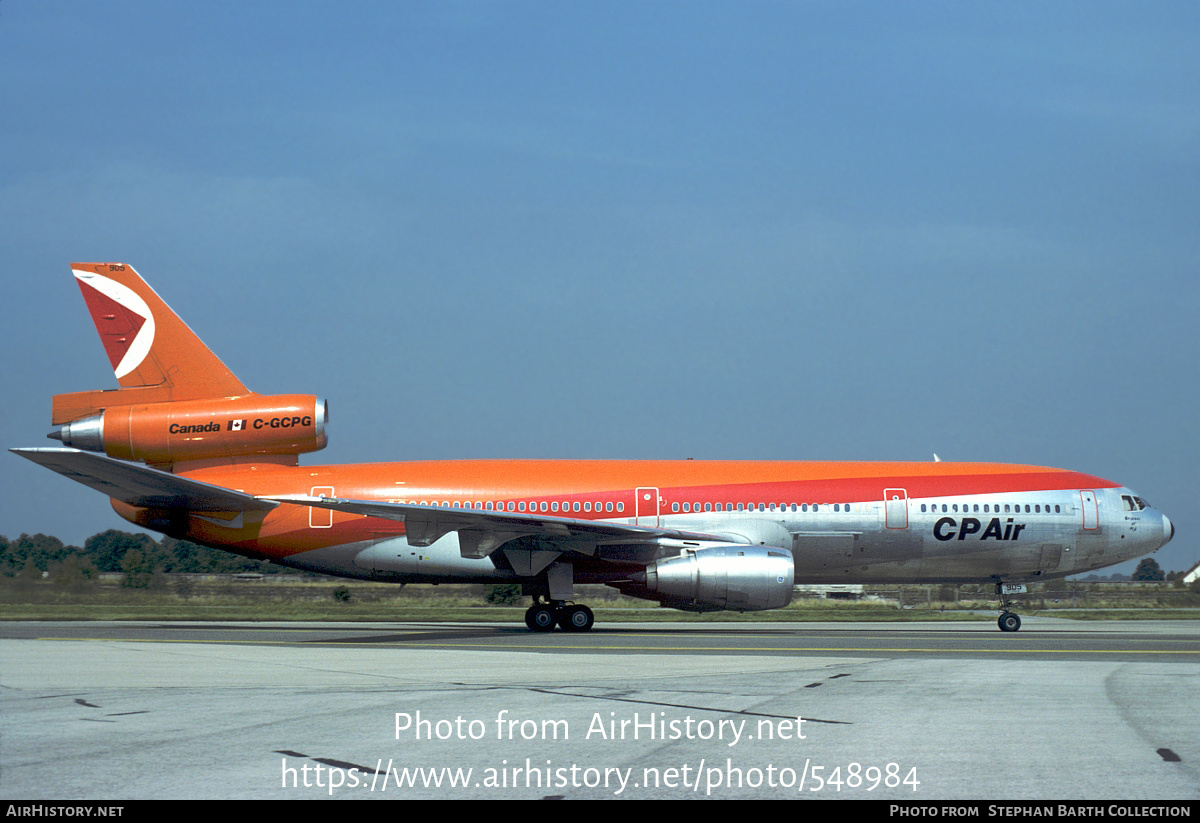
<point>570,617</point>
<point>1009,621</point>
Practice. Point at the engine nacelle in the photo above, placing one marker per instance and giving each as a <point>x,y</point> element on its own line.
<point>219,428</point>
<point>736,577</point>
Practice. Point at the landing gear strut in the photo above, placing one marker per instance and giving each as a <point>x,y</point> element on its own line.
<point>1009,621</point>
<point>570,617</point>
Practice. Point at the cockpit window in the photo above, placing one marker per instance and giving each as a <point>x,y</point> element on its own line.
<point>1132,504</point>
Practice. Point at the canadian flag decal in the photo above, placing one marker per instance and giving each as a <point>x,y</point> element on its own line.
<point>236,425</point>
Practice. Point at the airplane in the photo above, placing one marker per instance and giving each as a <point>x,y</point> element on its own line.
<point>182,447</point>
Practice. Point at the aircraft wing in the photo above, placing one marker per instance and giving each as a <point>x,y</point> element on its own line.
<point>140,485</point>
<point>481,532</point>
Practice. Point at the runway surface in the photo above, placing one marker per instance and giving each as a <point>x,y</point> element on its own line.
<point>1050,637</point>
<point>1061,710</point>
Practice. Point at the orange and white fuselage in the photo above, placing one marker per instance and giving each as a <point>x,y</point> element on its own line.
<point>843,522</point>
<point>221,468</point>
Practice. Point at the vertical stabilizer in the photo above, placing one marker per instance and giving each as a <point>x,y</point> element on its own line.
<point>146,342</point>
<point>155,356</point>
<point>177,405</point>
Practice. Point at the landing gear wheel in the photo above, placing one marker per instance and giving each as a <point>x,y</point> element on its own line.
<point>540,618</point>
<point>575,618</point>
<point>1009,621</point>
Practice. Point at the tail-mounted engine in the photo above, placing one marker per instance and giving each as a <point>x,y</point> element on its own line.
<point>736,577</point>
<point>220,428</point>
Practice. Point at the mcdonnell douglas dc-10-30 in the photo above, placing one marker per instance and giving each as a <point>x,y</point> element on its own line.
<point>183,448</point>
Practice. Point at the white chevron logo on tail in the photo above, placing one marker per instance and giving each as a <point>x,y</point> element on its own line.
<point>124,353</point>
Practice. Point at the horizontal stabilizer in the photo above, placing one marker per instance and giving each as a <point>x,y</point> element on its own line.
<point>140,485</point>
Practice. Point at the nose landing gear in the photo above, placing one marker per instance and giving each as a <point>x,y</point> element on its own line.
<point>1009,621</point>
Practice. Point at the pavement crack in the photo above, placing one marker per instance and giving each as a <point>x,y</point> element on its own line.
<point>645,702</point>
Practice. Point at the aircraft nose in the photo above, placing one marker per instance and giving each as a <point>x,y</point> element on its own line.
<point>1168,530</point>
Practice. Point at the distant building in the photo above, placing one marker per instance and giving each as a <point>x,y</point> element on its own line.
<point>1192,574</point>
<point>834,591</point>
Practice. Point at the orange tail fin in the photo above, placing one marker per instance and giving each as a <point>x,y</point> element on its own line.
<point>154,354</point>
<point>177,405</point>
<point>146,342</point>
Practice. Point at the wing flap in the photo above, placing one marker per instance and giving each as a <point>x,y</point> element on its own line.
<point>140,485</point>
<point>485,531</point>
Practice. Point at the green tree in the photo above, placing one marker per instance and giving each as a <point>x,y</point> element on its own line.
<point>27,577</point>
<point>138,570</point>
<point>108,549</point>
<point>506,595</point>
<point>75,574</point>
<point>40,550</point>
<point>1148,570</point>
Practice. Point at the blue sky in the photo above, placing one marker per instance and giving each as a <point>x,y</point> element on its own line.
<point>637,230</point>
